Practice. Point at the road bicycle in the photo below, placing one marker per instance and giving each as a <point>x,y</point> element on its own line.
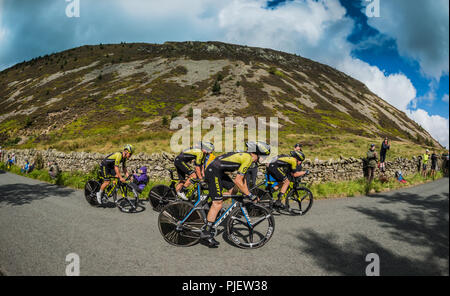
<point>160,195</point>
<point>298,198</point>
<point>128,201</point>
<point>248,225</point>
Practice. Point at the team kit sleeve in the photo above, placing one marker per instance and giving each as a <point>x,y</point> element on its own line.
<point>245,163</point>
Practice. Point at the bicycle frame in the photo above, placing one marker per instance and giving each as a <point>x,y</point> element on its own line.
<point>199,206</point>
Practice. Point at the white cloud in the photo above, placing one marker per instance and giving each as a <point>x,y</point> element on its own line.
<point>421,31</point>
<point>436,125</point>
<point>395,89</point>
<point>318,30</point>
<point>445,98</point>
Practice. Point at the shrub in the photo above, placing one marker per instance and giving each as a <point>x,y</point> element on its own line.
<point>39,161</point>
<point>216,88</point>
<point>165,120</point>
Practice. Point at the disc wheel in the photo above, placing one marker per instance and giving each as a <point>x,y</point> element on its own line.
<point>159,196</point>
<point>250,228</point>
<point>90,191</point>
<point>299,201</point>
<point>183,235</point>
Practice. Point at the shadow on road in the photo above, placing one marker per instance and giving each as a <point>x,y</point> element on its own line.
<point>20,194</point>
<point>414,220</point>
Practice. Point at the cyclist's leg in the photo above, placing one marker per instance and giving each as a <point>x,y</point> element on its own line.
<point>280,176</point>
<point>106,174</point>
<point>213,179</point>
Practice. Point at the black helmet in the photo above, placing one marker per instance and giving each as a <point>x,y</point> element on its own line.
<point>259,148</point>
<point>298,155</point>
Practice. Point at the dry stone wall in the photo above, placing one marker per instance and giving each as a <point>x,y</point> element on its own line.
<point>158,163</point>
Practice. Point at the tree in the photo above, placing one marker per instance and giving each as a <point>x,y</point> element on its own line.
<point>216,88</point>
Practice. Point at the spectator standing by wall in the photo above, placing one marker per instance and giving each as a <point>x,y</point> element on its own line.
<point>385,145</point>
<point>372,160</point>
<point>425,158</point>
<point>434,163</point>
<point>53,170</point>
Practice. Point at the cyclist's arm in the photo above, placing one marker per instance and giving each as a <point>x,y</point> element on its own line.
<point>241,184</point>
<point>298,174</point>
<point>198,171</point>
<point>116,169</point>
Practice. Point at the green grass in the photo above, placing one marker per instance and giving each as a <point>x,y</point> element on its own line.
<point>324,190</point>
<point>75,179</point>
<point>360,186</point>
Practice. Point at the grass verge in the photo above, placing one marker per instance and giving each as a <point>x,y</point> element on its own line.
<point>325,190</point>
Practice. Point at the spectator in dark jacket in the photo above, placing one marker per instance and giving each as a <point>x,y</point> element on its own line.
<point>385,145</point>
<point>434,159</point>
<point>372,163</point>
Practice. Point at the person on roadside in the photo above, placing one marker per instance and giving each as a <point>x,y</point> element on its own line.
<point>53,170</point>
<point>140,179</point>
<point>1,154</point>
<point>372,160</point>
<point>434,160</point>
<point>385,145</point>
<point>25,168</point>
<point>425,158</point>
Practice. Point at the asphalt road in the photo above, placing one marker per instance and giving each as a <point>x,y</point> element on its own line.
<point>40,224</point>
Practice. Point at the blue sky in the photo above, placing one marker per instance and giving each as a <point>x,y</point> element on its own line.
<point>402,55</point>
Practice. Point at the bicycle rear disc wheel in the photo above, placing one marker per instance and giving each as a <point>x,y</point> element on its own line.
<point>241,234</point>
<point>300,201</point>
<point>159,196</point>
<point>90,191</point>
<point>189,232</point>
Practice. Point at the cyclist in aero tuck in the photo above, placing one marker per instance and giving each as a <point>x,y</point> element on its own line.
<point>110,168</point>
<point>217,179</point>
<point>282,165</point>
<point>185,172</point>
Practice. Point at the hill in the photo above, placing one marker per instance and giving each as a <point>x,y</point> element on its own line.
<point>97,97</point>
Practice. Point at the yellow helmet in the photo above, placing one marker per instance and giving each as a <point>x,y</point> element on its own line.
<point>129,147</point>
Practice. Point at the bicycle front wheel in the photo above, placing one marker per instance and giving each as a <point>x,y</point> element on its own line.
<point>299,201</point>
<point>250,226</point>
<point>129,203</point>
<point>175,233</point>
<point>159,196</point>
<point>90,190</point>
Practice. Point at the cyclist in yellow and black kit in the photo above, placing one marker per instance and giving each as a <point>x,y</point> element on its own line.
<point>217,179</point>
<point>281,166</point>
<point>198,155</point>
<point>109,168</point>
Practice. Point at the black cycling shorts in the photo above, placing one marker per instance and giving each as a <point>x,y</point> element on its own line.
<point>183,170</point>
<point>277,172</point>
<point>217,179</point>
<point>107,172</point>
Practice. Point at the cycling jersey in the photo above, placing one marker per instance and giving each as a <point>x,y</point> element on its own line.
<point>111,161</point>
<point>208,159</point>
<point>281,165</point>
<point>188,155</point>
<point>286,161</point>
<point>215,174</point>
<point>233,161</point>
<point>191,154</point>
